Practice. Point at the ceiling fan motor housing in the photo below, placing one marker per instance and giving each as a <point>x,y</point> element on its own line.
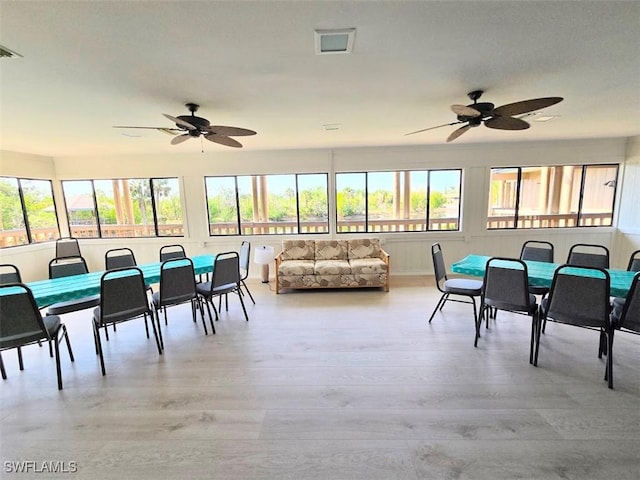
<point>200,123</point>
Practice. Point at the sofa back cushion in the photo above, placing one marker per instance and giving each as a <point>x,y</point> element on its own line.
<point>298,250</point>
<point>364,248</point>
<point>331,250</point>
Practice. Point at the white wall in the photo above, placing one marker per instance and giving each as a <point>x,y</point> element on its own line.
<point>410,252</point>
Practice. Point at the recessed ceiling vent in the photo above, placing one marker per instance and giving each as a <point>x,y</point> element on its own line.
<point>334,41</point>
<point>8,53</point>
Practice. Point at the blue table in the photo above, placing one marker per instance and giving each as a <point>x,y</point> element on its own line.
<point>541,273</point>
<point>48,292</point>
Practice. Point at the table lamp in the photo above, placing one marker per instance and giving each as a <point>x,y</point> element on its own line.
<point>264,256</point>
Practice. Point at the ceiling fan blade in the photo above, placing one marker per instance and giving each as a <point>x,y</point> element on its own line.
<point>147,128</point>
<point>222,140</point>
<point>506,123</point>
<point>230,131</point>
<point>180,139</point>
<point>457,133</point>
<point>526,106</point>
<point>170,131</point>
<point>465,111</point>
<point>433,128</point>
<point>180,122</point>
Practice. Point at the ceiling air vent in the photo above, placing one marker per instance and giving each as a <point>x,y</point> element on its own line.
<point>8,53</point>
<point>334,41</point>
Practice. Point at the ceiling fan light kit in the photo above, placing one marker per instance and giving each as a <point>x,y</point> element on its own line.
<point>500,118</point>
<point>192,126</point>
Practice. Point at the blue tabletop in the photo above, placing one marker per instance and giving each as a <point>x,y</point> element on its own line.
<point>48,292</point>
<point>541,273</point>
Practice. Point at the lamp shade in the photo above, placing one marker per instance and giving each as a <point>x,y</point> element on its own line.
<point>263,254</point>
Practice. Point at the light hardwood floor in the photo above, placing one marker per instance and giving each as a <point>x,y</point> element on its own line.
<point>334,385</point>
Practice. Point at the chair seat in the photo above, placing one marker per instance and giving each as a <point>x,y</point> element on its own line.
<point>463,286</point>
<point>61,308</point>
<point>205,288</point>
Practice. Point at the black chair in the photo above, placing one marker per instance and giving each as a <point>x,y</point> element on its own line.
<point>119,258</point>
<point>626,317</point>
<point>65,267</point>
<point>168,252</point>
<point>22,324</point>
<point>123,297</point>
<point>225,279</point>
<point>579,296</point>
<point>538,251</point>
<point>634,262</point>
<point>67,247</point>
<point>506,287</point>
<point>588,255</point>
<point>456,286</point>
<point>9,273</point>
<point>177,286</point>
<point>245,261</point>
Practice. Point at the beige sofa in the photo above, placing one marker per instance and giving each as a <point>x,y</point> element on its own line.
<point>332,264</point>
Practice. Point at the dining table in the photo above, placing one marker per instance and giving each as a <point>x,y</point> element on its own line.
<point>541,273</point>
<point>50,291</point>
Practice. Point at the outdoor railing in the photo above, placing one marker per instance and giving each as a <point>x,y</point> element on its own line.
<point>9,238</point>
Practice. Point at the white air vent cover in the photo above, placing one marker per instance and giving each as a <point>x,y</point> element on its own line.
<point>334,41</point>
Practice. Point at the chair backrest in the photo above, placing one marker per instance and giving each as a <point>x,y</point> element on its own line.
<point>226,269</point>
<point>122,295</point>
<point>439,267</point>
<point>245,259</point>
<point>67,266</point>
<point>630,317</point>
<point>634,262</point>
<point>506,284</point>
<point>119,258</point>
<point>22,322</point>
<point>579,296</point>
<point>537,250</point>
<point>9,274</point>
<point>177,281</point>
<point>588,255</point>
<point>67,247</point>
<point>167,252</point>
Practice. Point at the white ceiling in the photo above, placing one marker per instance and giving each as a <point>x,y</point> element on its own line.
<point>87,66</point>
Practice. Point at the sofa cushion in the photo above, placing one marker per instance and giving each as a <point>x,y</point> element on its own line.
<point>331,250</point>
<point>298,250</point>
<point>332,267</point>
<point>367,265</point>
<point>364,248</point>
<point>296,267</point>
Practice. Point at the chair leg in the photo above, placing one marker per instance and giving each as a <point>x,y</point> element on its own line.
<point>157,319</point>
<point>534,322</point>
<point>246,317</point>
<point>65,333</point>
<point>2,370</point>
<point>164,311</point>
<point>608,374</point>
<point>248,292</point>
<point>96,336</point>
<point>56,340</point>
<point>106,331</point>
<point>50,349</point>
<point>478,322</point>
<point>20,362</point>
<point>538,331</point>
<point>602,349</point>
<point>438,306</point>
<point>146,325</point>
<point>155,332</point>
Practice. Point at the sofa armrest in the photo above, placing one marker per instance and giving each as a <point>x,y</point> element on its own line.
<point>386,258</point>
<point>278,260</point>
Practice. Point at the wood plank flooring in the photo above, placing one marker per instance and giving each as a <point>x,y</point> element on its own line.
<point>335,385</point>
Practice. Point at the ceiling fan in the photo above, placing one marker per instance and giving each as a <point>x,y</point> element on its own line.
<point>190,126</point>
<point>500,118</point>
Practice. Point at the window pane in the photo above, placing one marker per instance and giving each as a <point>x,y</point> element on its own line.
<point>12,227</point>
<point>268,204</point>
<point>350,202</point>
<point>385,206</point>
<point>598,195</point>
<point>124,208</point>
<point>221,205</point>
<point>166,195</point>
<point>41,211</point>
<point>444,200</point>
<point>502,198</point>
<point>313,203</point>
<point>81,213</point>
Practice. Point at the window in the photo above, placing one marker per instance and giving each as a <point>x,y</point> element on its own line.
<point>555,196</point>
<point>124,207</point>
<point>27,212</point>
<point>267,204</point>
<point>399,201</point>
